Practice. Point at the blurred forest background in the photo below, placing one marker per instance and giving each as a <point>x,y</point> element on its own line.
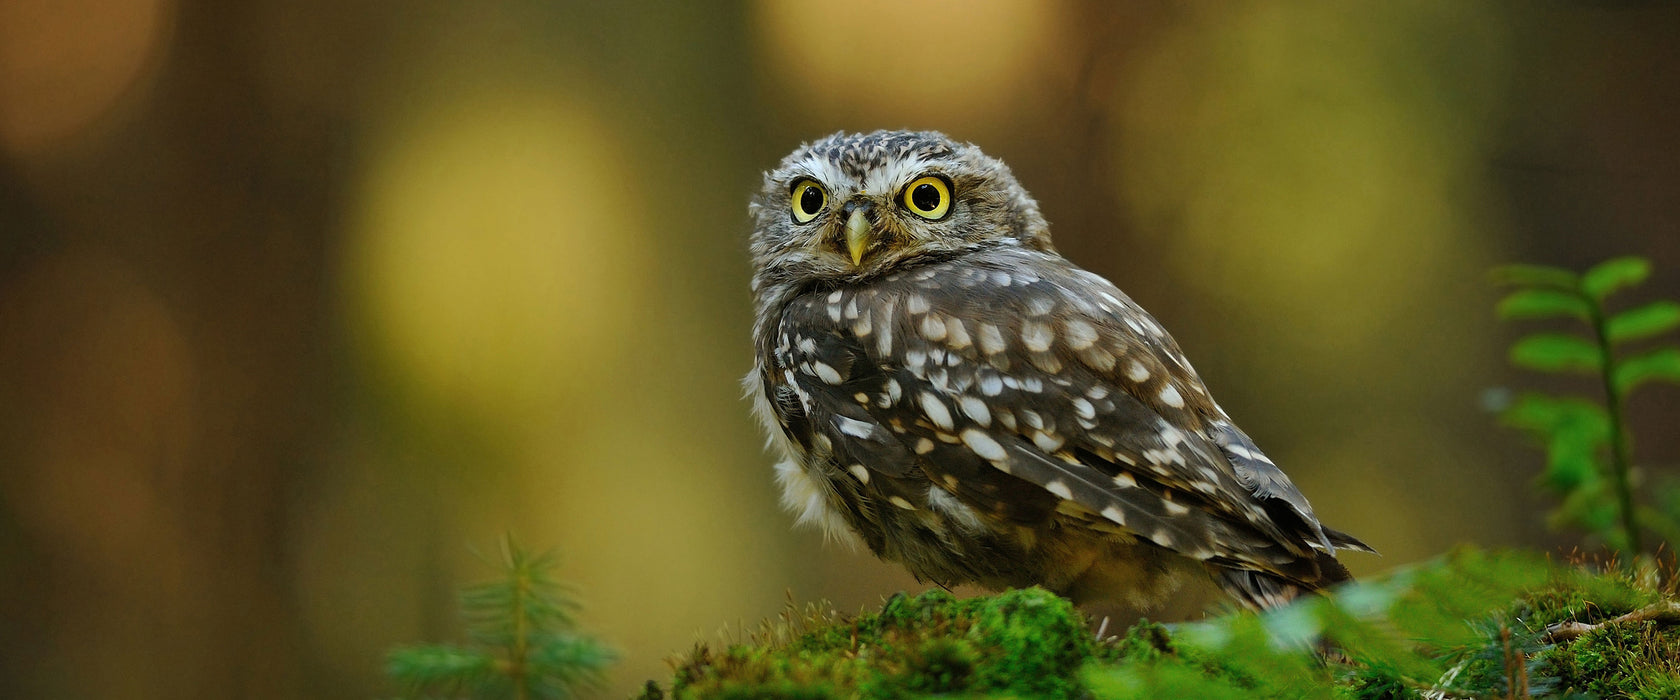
<point>302,301</point>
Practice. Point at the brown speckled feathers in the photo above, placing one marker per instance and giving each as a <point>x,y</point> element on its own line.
<point>975,406</point>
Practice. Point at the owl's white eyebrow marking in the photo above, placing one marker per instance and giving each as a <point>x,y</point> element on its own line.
<point>894,175</point>
<point>825,172</point>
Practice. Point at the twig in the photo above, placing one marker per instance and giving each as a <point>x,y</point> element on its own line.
<point>1666,612</point>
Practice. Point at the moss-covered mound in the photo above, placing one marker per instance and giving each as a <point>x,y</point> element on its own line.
<point>1025,643</point>
<point>1471,625</point>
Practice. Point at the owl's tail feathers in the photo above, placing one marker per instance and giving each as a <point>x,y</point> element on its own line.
<point>1264,590</point>
<point>1257,590</point>
<point>1261,590</point>
<point>1342,540</point>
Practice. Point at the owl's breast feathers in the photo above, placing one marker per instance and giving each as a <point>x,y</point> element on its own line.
<point>1009,389</point>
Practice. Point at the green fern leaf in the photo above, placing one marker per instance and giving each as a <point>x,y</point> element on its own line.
<point>1611,275</point>
<point>1544,303</point>
<point>1655,318</point>
<point>1659,365</point>
<point>1571,460</point>
<point>1575,432</point>
<point>1544,414</point>
<point>1556,352</point>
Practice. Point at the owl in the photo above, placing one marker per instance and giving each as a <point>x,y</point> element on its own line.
<point>946,388</point>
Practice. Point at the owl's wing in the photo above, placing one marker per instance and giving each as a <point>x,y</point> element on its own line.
<point>1025,371</point>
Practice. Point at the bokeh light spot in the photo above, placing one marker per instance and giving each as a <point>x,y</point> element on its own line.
<point>494,262</point>
<point>1289,153</point>
<point>64,63</point>
<point>923,61</point>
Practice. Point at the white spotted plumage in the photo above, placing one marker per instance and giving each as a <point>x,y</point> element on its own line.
<point>970,403</point>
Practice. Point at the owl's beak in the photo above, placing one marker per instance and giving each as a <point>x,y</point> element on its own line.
<point>857,236</point>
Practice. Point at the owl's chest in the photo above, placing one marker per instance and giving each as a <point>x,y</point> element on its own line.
<point>891,508</point>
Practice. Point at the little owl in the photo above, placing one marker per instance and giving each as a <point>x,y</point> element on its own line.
<point>946,387</point>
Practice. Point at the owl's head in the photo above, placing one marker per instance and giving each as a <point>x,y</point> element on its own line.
<point>854,206</point>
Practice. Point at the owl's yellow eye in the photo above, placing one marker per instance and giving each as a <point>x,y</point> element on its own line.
<point>929,197</point>
<point>808,200</point>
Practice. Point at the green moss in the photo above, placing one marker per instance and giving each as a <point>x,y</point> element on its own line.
<point>1378,682</point>
<point>1040,642</point>
<point>1145,641</point>
<point>1633,660</point>
<point>1581,597</point>
<point>1026,643</point>
<point>1472,624</point>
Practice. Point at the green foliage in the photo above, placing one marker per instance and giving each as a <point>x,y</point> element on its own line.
<point>522,641</point>
<point>1471,624</point>
<point>1023,643</point>
<point>1586,440</point>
